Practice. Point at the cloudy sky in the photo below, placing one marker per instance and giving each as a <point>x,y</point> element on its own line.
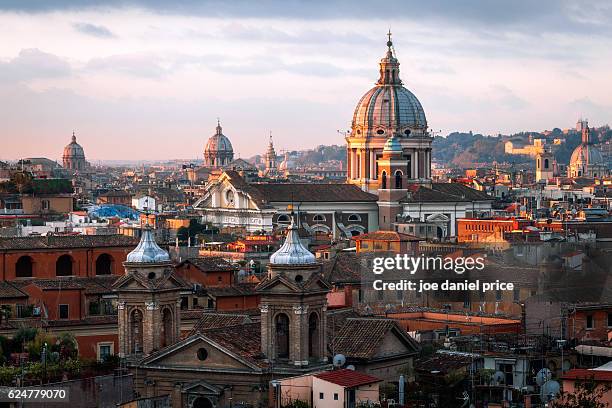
<point>147,79</point>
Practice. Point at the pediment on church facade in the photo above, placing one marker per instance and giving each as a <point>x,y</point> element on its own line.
<point>198,352</point>
<point>135,282</point>
<point>278,284</point>
<point>202,388</point>
<point>283,284</point>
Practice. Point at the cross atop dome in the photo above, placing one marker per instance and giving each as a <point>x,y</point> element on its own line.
<point>389,42</point>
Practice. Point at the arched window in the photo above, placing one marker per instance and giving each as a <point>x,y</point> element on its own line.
<point>354,218</point>
<point>104,265</point>
<point>398,179</point>
<point>283,219</point>
<point>63,266</point>
<point>282,336</point>
<point>23,267</point>
<point>318,218</point>
<point>538,164</point>
<point>136,331</point>
<point>313,336</point>
<point>545,163</point>
<point>166,335</point>
<point>384,180</point>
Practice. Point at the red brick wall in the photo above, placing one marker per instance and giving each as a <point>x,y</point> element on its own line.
<point>88,345</point>
<point>84,261</point>
<point>600,325</point>
<point>238,303</point>
<point>53,298</point>
<point>206,279</point>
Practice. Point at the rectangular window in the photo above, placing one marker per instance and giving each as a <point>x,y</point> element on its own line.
<point>517,294</point>
<point>609,319</point>
<point>104,351</point>
<point>63,311</point>
<point>589,322</point>
<point>321,395</point>
<point>335,396</point>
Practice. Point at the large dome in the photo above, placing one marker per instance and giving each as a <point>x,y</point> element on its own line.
<point>218,143</point>
<point>73,150</point>
<point>388,108</point>
<point>587,154</point>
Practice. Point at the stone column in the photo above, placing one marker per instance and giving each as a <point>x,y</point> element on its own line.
<point>372,164</point>
<point>150,329</point>
<point>415,160</point>
<point>124,325</point>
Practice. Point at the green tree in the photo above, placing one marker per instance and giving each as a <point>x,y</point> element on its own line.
<point>22,336</point>
<point>68,345</point>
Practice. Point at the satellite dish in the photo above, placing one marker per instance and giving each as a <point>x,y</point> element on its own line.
<point>499,377</point>
<point>550,390</point>
<point>350,367</point>
<point>339,360</point>
<point>542,376</point>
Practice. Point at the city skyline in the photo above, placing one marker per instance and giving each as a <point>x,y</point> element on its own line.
<point>144,80</point>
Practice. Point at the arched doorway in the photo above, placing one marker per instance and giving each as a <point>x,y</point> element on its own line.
<point>63,266</point>
<point>166,336</point>
<point>313,336</point>
<point>23,267</point>
<point>282,336</point>
<point>202,402</point>
<point>104,265</point>
<point>136,331</point>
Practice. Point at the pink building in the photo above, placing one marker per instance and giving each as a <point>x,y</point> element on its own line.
<point>329,389</point>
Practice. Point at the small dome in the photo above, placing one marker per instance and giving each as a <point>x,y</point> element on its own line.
<point>147,250</point>
<point>292,252</point>
<point>73,150</point>
<point>218,143</point>
<point>393,145</point>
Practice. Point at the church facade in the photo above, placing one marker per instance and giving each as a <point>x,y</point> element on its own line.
<point>228,359</point>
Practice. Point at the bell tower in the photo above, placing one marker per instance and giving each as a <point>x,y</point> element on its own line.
<point>544,165</point>
<point>148,300</point>
<point>392,173</point>
<point>293,306</point>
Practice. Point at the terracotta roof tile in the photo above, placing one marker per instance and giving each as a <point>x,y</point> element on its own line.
<point>210,264</point>
<point>243,340</point>
<point>310,192</point>
<point>445,192</point>
<point>347,378</point>
<point>7,291</point>
<point>361,337</point>
<point>218,320</point>
<point>68,241</point>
